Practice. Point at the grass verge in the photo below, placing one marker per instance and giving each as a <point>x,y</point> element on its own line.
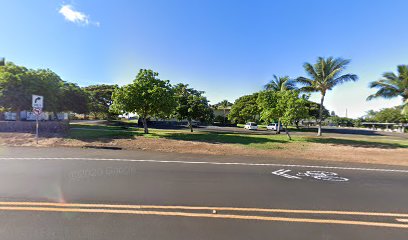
<point>257,141</point>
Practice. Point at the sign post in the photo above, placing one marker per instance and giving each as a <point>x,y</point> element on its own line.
<point>37,103</point>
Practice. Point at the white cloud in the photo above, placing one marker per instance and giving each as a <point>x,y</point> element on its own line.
<point>70,14</point>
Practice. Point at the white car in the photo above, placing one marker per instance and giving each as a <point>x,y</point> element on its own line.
<point>251,126</point>
<point>274,127</point>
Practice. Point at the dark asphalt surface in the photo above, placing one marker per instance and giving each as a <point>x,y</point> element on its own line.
<point>98,181</point>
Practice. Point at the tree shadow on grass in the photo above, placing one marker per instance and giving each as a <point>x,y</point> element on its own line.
<point>217,138</point>
<point>96,135</point>
<point>103,135</point>
<point>350,131</point>
<point>357,143</point>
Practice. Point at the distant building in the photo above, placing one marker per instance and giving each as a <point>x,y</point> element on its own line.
<point>389,127</point>
<point>220,111</point>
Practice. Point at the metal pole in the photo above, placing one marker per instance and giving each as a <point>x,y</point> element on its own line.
<point>36,129</point>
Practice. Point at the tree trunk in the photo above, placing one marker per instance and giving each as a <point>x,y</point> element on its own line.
<point>146,130</point>
<point>287,132</point>
<point>319,131</point>
<point>278,127</point>
<point>190,125</point>
<point>297,124</point>
<point>224,117</point>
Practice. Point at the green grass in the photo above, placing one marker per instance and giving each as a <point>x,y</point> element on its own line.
<point>252,140</point>
<point>91,133</point>
<point>247,140</point>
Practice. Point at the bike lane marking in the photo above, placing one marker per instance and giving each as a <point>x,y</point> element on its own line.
<point>318,175</point>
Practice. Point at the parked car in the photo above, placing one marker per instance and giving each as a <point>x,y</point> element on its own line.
<point>251,126</point>
<point>274,127</point>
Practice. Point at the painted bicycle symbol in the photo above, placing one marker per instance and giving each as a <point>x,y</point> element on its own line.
<point>319,175</point>
<point>323,175</point>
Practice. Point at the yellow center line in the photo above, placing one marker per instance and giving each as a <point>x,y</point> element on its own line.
<point>207,215</point>
<point>266,210</point>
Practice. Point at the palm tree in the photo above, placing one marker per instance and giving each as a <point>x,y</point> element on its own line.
<point>323,76</point>
<point>280,84</point>
<point>392,85</point>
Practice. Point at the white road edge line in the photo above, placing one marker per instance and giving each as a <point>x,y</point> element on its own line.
<point>212,163</point>
<point>403,220</point>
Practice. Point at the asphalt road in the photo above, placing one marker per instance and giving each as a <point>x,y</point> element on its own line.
<point>68,193</point>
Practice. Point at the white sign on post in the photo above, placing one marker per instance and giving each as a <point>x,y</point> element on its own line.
<point>38,102</point>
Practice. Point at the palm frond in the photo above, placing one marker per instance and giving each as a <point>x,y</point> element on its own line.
<point>304,81</point>
<point>340,63</point>
<point>344,78</point>
<point>308,89</point>
<point>384,93</point>
<point>392,85</point>
<point>290,84</point>
<point>390,76</point>
<point>310,70</point>
<point>280,84</point>
<point>403,70</point>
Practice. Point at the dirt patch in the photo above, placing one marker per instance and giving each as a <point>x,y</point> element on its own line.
<point>307,151</point>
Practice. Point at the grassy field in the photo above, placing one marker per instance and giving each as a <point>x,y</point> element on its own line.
<point>259,141</point>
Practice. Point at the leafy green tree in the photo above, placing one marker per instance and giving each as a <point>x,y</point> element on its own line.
<point>15,88</point>
<point>341,121</point>
<point>324,75</point>
<point>101,99</point>
<point>245,109</point>
<point>370,116</point>
<point>393,85</point>
<point>390,115</point>
<point>191,105</point>
<point>18,83</point>
<point>2,62</point>
<point>73,98</point>
<point>358,122</point>
<point>146,96</point>
<point>314,110</point>
<point>284,105</point>
<point>280,84</point>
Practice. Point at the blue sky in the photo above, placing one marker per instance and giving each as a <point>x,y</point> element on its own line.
<point>226,48</point>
